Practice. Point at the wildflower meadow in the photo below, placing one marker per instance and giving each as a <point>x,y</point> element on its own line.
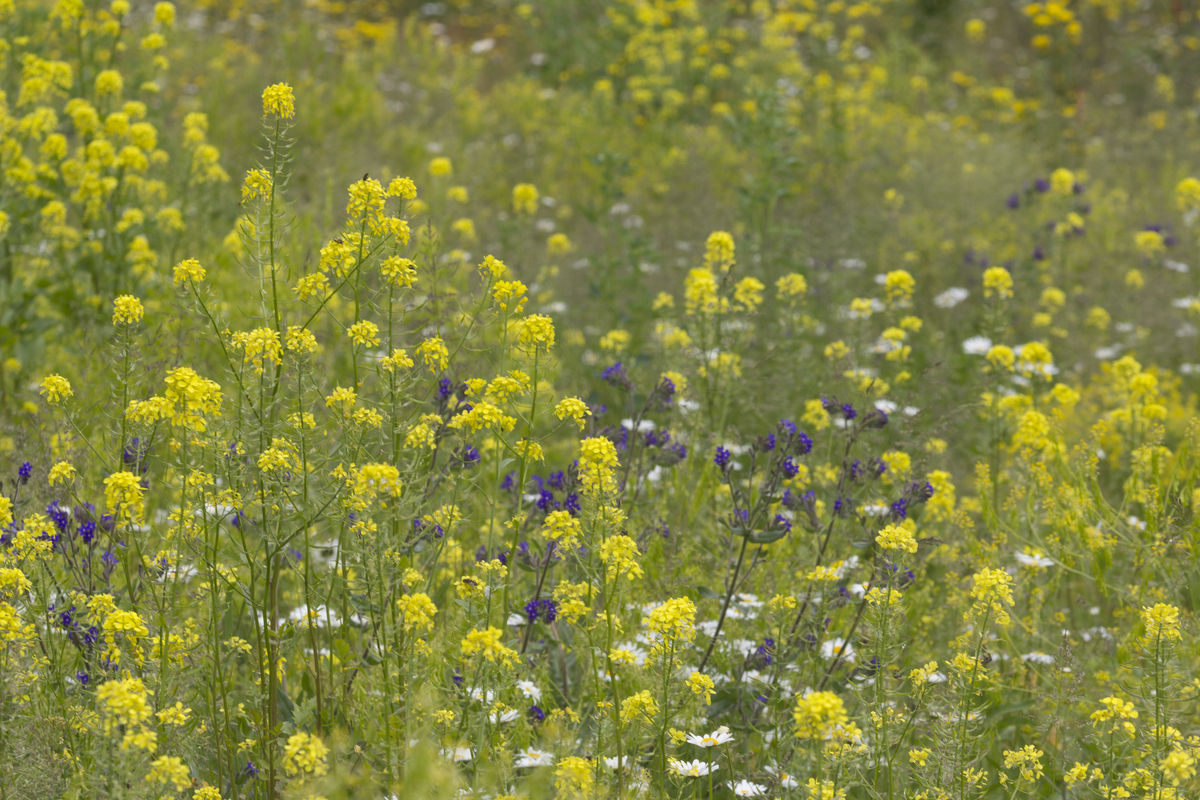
<point>599,399</point>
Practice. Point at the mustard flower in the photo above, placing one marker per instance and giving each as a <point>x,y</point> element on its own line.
<point>487,643</point>
<point>818,714</point>
<point>898,537</point>
<point>109,83</point>
<point>1118,712</point>
<point>558,244</point>
<point>997,282</point>
<point>702,686</point>
<point>403,188</point>
<point>747,293</point>
<point>1161,622</point>
<point>61,473</point>
<point>258,184</point>
<point>1187,194</point>
<point>510,293</point>
<point>1178,766</point>
<point>525,198</point>
<point>898,286</point>
<point>1027,760</point>
<point>279,100</point>
<point>127,310</point>
<point>574,777</point>
<point>305,754</point>
<point>417,611</point>
<point>639,707</point>
<point>397,360</point>
<point>574,408</point>
<point>492,267</point>
<point>719,251</point>
<point>597,464</point>
<point>189,270</point>
<point>399,272</point>
<point>123,493</point>
<point>673,621</point>
<point>56,389</point>
<point>259,346</point>
<point>992,590</point>
<point>537,331</point>
<point>441,166</point>
<point>1149,243</point>
<point>191,397</point>
<point>619,554</point>
<point>791,286</point>
<point>1001,358</point>
<point>434,353</point>
<point>170,769</point>
<point>700,292</point>
<point>123,702</point>
<point>364,333</point>
<point>300,340</point>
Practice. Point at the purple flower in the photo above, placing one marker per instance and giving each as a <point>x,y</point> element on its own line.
<point>615,376</point>
<point>787,425</point>
<point>24,472</point>
<point>849,412</point>
<point>1014,201</point>
<point>536,714</point>
<point>1042,185</point>
<point>789,467</point>
<point>804,442</point>
<point>782,522</point>
<point>721,459</point>
<point>900,509</point>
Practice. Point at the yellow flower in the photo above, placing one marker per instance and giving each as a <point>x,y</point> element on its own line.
<point>558,244</point>
<point>997,282</point>
<point>899,286</point>
<point>305,753</point>
<point>574,408</point>
<point>818,715</point>
<point>56,389</point>
<point>259,346</point>
<point>791,286</point>
<point>747,293</point>
<point>702,686</point>
<point>364,333</point>
<point>127,310</point>
<point>434,353</point>
<point>597,462</point>
<point>487,643</point>
<point>1187,194</point>
<point>619,554</point>
<point>898,537</point>
<point>170,769</point>
<point>417,611</point>
<point>537,331</point>
<point>109,83</point>
<point>719,251</point>
<point>525,198</point>
<point>1149,243</point>
<point>1161,622</point>
<point>61,473</point>
<point>574,777</point>
<point>279,100</point>
<point>441,166</point>
<point>992,590</point>
<point>1062,182</point>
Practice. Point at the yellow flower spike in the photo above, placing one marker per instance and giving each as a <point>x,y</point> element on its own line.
<point>56,389</point>
<point>127,310</point>
<point>279,101</point>
<point>525,199</point>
